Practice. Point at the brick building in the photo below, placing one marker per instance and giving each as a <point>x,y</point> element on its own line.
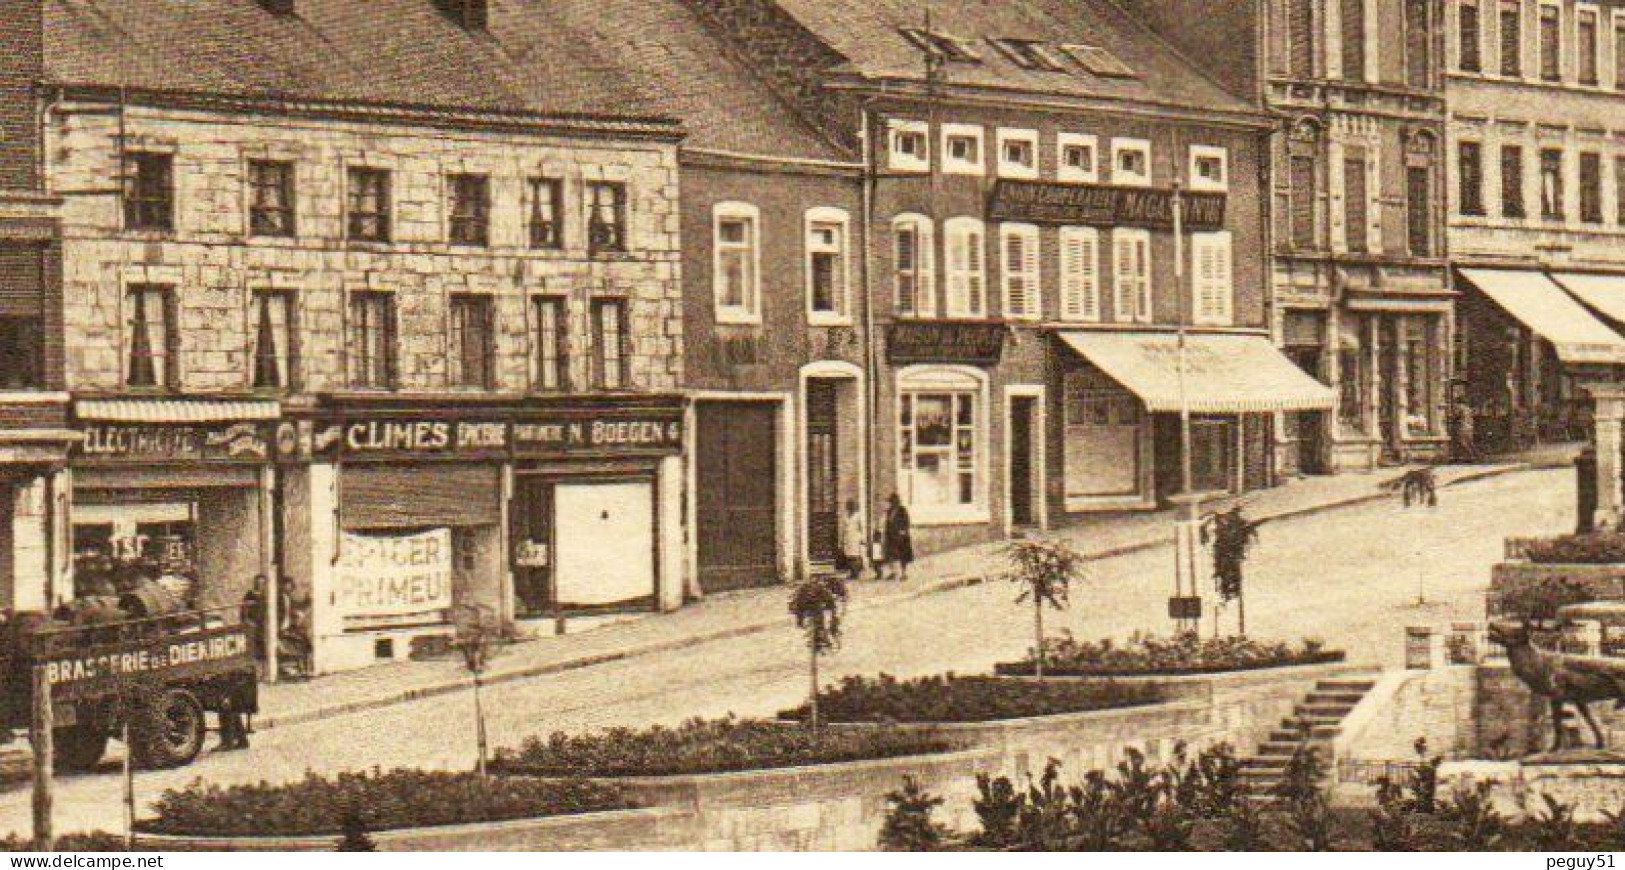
<point>406,336</point>
<point>1362,297</point>
<point>33,435</point>
<point>1021,161</point>
<point>1537,210</point>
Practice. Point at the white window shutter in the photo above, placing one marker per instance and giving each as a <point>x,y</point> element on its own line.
<point>1080,281</point>
<point>1125,272</point>
<point>1033,306</point>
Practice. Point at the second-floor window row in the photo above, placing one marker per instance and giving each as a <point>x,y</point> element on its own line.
<point>1566,184</point>
<point>271,197</point>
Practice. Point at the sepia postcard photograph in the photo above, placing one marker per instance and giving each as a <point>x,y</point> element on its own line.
<point>978,426</point>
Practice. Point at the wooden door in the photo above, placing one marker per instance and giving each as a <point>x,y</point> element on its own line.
<point>736,498</point>
<point>1021,461</point>
<point>823,475</point>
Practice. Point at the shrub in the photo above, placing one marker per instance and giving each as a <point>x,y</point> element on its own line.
<point>1479,827</point>
<point>1590,548</point>
<point>371,801</point>
<point>707,746</point>
<point>909,826</point>
<point>951,698</point>
<point>90,841</point>
<point>1539,598</point>
<point>1181,654</point>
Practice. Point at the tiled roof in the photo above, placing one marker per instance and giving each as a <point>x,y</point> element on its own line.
<point>372,51</point>
<point>868,34</point>
<point>638,58</point>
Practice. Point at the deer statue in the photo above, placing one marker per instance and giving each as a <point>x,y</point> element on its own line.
<point>1561,678</point>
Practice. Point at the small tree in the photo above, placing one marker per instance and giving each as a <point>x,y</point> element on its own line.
<point>478,633</point>
<point>1045,570</point>
<point>1232,535</point>
<point>354,836</point>
<point>818,604</point>
<point>909,826</point>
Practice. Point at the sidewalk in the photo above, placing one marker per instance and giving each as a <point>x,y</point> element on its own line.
<point>742,613</point>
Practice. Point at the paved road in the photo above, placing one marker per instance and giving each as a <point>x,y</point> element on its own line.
<point>1348,576</point>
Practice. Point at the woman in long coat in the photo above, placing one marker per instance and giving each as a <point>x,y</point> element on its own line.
<point>898,541</point>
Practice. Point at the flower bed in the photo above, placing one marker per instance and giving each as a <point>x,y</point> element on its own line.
<point>1149,656</point>
<point>966,699</point>
<point>1593,548</point>
<point>318,805</point>
<point>701,746</point>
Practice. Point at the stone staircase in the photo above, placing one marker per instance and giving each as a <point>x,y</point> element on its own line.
<point>1316,721</point>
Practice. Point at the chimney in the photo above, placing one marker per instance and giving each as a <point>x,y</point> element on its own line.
<point>22,68</point>
<point>278,7</point>
<point>469,14</point>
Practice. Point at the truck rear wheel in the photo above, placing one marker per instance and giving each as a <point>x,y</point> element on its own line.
<point>168,731</point>
<point>80,746</point>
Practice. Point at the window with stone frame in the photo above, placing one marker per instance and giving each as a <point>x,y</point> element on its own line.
<point>1303,187</point>
<point>1301,41</point>
<point>1354,372</point>
<point>1419,31</point>
<point>370,340</point>
<point>469,221</point>
<point>150,337</point>
<point>941,433</point>
<point>736,260</point>
<point>1422,355</point>
<point>827,269</point>
<point>1131,275</point>
<point>1585,47</point>
<point>1420,233</point>
<point>1619,190</point>
<point>1352,19</point>
<point>1619,54</point>
<point>1510,18</point>
<point>1470,37</point>
<point>1512,200</point>
<point>611,345</point>
<point>1356,201</point>
<point>1591,187</point>
<point>1019,268</point>
<point>551,343</point>
<point>606,217</point>
<point>1470,178</point>
<point>149,191</point>
<point>546,222</point>
<point>275,340</point>
<point>367,217</point>
<point>1551,184</point>
<point>270,198</point>
<point>1551,43</point>
<point>472,360</point>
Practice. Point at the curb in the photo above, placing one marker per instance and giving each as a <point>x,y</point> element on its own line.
<point>946,584</point>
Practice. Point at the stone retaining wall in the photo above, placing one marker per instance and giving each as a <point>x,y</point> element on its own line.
<point>842,806</point>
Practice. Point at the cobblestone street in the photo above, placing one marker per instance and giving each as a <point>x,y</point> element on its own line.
<point>1347,576</point>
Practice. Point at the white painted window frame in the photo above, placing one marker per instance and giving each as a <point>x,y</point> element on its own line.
<point>954,166</point>
<point>1007,169</point>
<point>1207,185</point>
<point>1075,174</point>
<point>901,161</point>
<point>749,314</point>
<point>1118,176</point>
<point>839,217</point>
<point>1031,271</point>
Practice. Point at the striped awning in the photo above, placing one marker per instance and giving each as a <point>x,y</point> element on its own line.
<point>1535,300</point>
<point>1224,374</point>
<point>175,410</point>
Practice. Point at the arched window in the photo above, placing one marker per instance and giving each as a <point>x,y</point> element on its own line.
<point>914,285</point>
<point>942,442</point>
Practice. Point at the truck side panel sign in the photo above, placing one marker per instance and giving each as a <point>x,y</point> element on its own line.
<point>74,674</point>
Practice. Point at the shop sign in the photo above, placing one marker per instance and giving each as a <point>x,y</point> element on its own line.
<point>605,435</point>
<point>945,342</point>
<point>76,674</point>
<point>1102,205</point>
<point>242,442</point>
<point>379,580</point>
<point>419,437</point>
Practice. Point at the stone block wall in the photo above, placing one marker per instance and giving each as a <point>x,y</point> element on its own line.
<point>215,266</point>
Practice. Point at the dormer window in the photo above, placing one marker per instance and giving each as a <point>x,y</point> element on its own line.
<point>1099,61</point>
<point>942,46</point>
<point>1031,54</point>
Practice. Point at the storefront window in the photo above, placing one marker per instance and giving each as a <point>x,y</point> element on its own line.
<point>1354,374</point>
<point>1420,411</point>
<point>1103,429</point>
<point>940,440</point>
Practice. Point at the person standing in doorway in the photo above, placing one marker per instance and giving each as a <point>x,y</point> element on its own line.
<point>899,539</point>
<point>853,541</point>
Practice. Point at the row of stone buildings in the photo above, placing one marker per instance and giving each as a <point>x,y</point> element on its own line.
<point>420,305</point>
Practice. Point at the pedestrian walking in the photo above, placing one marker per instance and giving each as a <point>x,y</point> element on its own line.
<point>853,541</point>
<point>898,543</point>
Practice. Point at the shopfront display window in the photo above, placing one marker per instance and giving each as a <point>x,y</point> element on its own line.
<point>1421,352</point>
<point>1354,375</point>
<point>941,430</point>
<point>1104,428</point>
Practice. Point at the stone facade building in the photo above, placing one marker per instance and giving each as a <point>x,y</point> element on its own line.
<point>1537,209</point>
<point>1362,297</point>
<point>1021,168</point>
<point>406,339</point>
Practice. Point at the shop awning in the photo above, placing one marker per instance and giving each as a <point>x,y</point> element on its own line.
<point>1224,374</point>
<point>1536,301</point>
<point>1604,293</point>
<point>175,410</point>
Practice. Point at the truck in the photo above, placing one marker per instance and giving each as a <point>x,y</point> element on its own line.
<point>150,678</point>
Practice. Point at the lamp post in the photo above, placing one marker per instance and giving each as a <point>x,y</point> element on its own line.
<point>1187,612</point>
